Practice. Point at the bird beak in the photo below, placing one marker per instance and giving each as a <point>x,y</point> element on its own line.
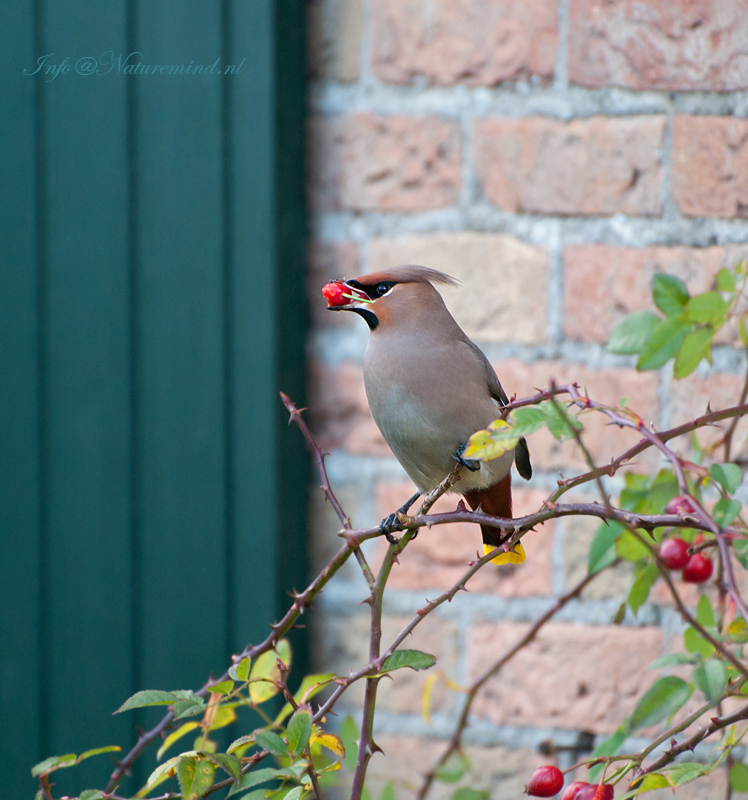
<point>341,296</point>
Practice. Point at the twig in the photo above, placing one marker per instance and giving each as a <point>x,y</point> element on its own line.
<point>478,684</point>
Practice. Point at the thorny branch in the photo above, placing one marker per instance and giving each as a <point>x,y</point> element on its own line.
<point>514,530</point>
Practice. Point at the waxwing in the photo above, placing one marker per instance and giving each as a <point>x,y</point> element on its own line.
<point>430,388</point>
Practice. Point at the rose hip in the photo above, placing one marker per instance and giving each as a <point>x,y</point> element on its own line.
<point>545,782</point>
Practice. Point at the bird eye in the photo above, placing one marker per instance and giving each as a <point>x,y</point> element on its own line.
<point>383,288</point>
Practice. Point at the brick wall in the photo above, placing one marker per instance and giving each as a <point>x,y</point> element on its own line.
<point>552,155</point>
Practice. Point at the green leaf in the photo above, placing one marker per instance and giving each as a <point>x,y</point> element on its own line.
<point>685,772</point>
<point>602,551</point>
<point>559,422</point>
<point>740,548</point>
<point>112,748</point>
<point>726,280</point>
<point>705,612</point>
<point>224,687</point>
<point>645,576</point>
<point>453,769</point>
<point>670,294</point>
<point>91,794</point>
<point>149,697</point>
<point>711,678</point>
<point>297,793</point>
<point>738,777</point>
<point>654,780</point>
<point>349,734</point>
<point>195,777</point>
<point>673,660</point>
<point>415,659</point>
<point>468,793</point>
<point>631,334</point>
<point>662,699</point>
<point>664,343</point>
<point>186,769</point>
<point>527,420</point>
<point>608,747</point>
<point>694,642</point>
<point>725,511</point>
<point>269,740</point>
<point>743,332</point>
<point>53,763</point>
<point>229,764</point>
<point>254,778</point>
<point>388,792</point>
<point>240,672</point>
<point>242,741</point>
<point>708,307</point>
<point>728,476</point>
<point>299,730</point>
<point>629,548</point>
<point>696,345</point>
<point>160,774</point>
<point>188,707</point>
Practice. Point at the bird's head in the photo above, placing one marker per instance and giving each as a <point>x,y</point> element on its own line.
<point>381,297</point>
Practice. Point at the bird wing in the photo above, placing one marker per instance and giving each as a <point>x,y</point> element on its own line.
<point>496,391</point>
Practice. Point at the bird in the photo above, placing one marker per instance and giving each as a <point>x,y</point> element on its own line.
<point>429,388</point>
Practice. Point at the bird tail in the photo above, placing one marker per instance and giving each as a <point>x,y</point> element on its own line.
<point>497,501</point>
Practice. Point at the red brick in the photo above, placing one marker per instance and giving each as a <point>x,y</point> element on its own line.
<point>681,44</point>
<point>570,677</point>
<point>497,273</point>
<point>367,162</point>
<point>587,166</point>
<point>328,261</point>
<point>439,556</point>
<point>339,412</point>
<point>603,283</point>
<point>710,166</point>
<point>471,42</point>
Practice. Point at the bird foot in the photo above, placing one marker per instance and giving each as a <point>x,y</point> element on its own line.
<point>394,522</point>
<point>469,464</point>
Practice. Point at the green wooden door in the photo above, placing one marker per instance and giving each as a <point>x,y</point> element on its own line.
<point>151,308</point>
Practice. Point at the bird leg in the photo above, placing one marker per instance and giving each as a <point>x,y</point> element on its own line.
<point>473,466</point>
<point>392,523</point>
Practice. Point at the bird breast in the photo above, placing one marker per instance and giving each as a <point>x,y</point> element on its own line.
<point>424,432</point>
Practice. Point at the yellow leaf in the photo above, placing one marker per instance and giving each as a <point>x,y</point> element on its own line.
<point>330,741</point>
<point>175,736</point>
<point>265,672</point>
<point>492,443</point>
<point>428,688</point>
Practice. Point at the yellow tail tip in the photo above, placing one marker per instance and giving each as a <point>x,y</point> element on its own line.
<point>515,556</point>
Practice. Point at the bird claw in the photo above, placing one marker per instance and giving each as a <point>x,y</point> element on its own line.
<point>469,464</point>
<point>389,524</point>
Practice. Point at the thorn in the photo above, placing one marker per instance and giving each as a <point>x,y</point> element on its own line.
<point>673,742</point>
<point>375,748</point>
<point>461,505</point>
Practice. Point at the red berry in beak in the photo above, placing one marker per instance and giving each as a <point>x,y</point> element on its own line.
<point>333,292</point>
<point>545,782</point>
<point>674,552</point>
<point>698,569</point>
